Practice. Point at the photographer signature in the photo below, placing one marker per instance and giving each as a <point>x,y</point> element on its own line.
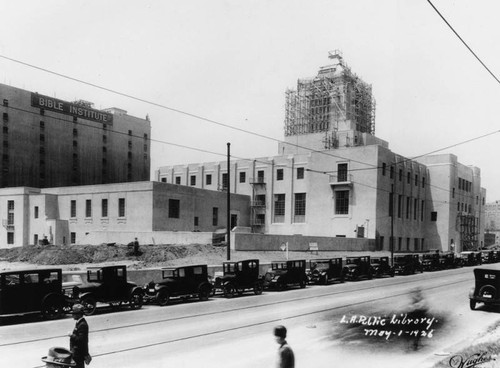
<point>457,361</point>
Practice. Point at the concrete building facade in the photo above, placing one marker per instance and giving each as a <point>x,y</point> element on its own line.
<point>48,142</point>
<point>333,177</point>
<point>98,214</point>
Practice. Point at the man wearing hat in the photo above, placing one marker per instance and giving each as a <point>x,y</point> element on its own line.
<point>79,338</point>
<point>285,358</point>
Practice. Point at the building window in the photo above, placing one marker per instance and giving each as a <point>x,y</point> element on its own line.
<point>75,132</point>
<point>192,180</point>
<point>342,172</point>
<point>300,207</point>
<point>415,208</point>
<point>208,179</point>
<point>422,209</point>
<point>407,243</point>
<point>408,209</point>
<point>174,207</point>
<point>400,243</point>
<point>215,216</point>
<point>384,167</point>
<point>342,202</point>
<point>104,139</point>
<point>400,174</point>
<point>178,180</point>
<point>10,237</point>
<point>392,172</point>
<point>225,181</point>
<point>72,238</point>
<point>5,117</point>
<point>434,216</point>
<point>196,221</point>
<point>163,180</point>
<point>279,208</point>
<point>42,125</point>
<point>88,208</point>
<point>121,207</point>
<point>36,211</point>
<point>260,176</point>
<point>5,130</point>
<point>145,148</point>
<point>300,173</point>
<point>129,132</point>
<point>73,208</point>
<point>75,143</point>
<point>416,180</point>
<point>145,136</point>
<point>104,207</point>
<point>243,176</point>
<point>10,212</point>
<point>453,193</point>
<point>5,102</point>
<point>279,174</point>
<point>408,177</point>
<point>400,205</point>
<point>423,182</point>
<point>391,204</point>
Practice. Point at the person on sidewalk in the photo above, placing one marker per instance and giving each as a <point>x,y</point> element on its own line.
<point>285,358</point>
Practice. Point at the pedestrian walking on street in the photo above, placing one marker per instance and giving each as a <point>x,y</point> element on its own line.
<point>285,358</point>
<point>79,338</point>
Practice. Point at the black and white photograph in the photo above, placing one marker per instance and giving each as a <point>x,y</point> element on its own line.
<point>242,184</point>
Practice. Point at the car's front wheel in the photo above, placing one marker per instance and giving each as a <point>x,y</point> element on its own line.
<point>53,306</point>
<point>136,300</point>
<point>229,290</point>
<point>163,297</point>
<point>258,288</point>
<point>89,305</point>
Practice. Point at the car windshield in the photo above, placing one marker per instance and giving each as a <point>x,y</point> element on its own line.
<point>353,260</point>
<point>321,265</point>
<point>278,266</point>
<point>400,260</point>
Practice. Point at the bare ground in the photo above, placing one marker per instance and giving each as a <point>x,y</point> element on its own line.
<point>78,257</point>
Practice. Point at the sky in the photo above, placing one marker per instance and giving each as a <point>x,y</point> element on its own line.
<point>231,62</point>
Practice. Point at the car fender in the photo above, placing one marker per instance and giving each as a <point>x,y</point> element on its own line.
<point>136,289</point>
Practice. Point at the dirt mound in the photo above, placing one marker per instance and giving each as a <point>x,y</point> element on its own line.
<point>84,254</point>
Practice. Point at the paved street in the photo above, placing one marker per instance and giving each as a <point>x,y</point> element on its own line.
<point>238,332</point>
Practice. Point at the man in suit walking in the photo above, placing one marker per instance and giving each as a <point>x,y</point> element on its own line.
<point>79,338</point>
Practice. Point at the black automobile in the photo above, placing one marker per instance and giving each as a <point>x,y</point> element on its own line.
<point>33,291</point>
<point>469,258</point>
<point>486,289</point>
<point>238,277</point>
<point>381,267</point>
<point>487,256</point>
<point>180,282</point>
<point>323,271</point>
<point>108,285</point>
<point>448,260</point>
<point>358,267</point>
<point>285,273</point>
<point>407,264</point>
<point>430,262</point>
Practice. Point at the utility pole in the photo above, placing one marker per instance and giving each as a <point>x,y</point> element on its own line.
<point>392,213</point>
<point>228,219</point>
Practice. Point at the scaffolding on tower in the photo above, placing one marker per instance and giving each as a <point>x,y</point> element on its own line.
<point>335,94</point>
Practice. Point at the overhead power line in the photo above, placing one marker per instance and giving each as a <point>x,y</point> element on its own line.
<point>465,43</point>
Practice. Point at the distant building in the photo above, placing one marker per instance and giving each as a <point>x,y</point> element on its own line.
<point>96,214</point>
<point>47,142</point>
<point>333,177</point>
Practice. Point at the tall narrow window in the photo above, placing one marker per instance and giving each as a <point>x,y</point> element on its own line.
<point>193,180</point>
<point>260,176</point>
<point>208,179</point>
<point>243,176</point>
<point>36,211</point>
<point>300,207</point>
<point>215,216</point>
<point>121,207</point>
<point>178,180</point>
<point>10,213</point>
<point>88,208</point>
<point>104,207</point>
<point>73,208</point>
<point>225,181</point>
<point>400,205</point>
<point>384,167</point>
<point>279,208</point>
<point>342,202</point>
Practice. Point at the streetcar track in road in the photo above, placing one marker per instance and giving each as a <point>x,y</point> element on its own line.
<point>269,321</point>
<point>431,276</point>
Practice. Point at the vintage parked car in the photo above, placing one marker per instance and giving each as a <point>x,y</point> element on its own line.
<point>33,291</point>
<point>487,256</point>
<point>238,277</point>
<point>180,282</point>
<point>358,267</point>
<point>430,262</point>
<point>468,258</point>
<point>496,256</point>
<point>322,271</point>
<point>407,264</point>
<point>108,285</point>
<point>382,267</point>
<point>285,273</point>
<point>448,260</point>
<point>486,289</point>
